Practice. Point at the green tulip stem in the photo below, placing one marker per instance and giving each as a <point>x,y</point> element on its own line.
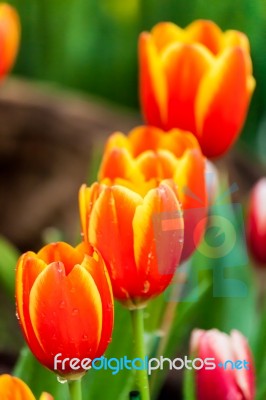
<point>142,383</point>
<point>75,389</point>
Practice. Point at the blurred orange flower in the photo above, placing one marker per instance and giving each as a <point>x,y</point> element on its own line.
<point>14,388</point>
<point>64,304</point>
<point>9,37</point>
<point>148,155</point>
<point>198,79</point>
<point>139,237</point>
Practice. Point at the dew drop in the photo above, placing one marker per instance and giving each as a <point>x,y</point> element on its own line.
<point>84,338</point>
<point>17,316</point>
<point>61,380</point>
<point>75,312</point>
<point>146,287</point>
<point>60,267</point>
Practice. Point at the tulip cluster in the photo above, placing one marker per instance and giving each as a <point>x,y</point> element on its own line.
<point>146,213</point>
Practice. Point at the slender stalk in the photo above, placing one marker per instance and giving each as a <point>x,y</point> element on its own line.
<point>75,389</point>
<point>138,338</point>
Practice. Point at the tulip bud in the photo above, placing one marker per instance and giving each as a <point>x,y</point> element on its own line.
<point>233,377</point>
<point>197,79</point>
<point>139,237</point>
<point>9,37</point>
<point>256,222</point>
<point>65,306</point>
<point>14,388</point>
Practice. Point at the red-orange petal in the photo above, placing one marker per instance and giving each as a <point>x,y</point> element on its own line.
<point>63,320</point>
<point>61,252</point>
<point>205,32</point>
<point>166,33</point>
<point>12,388</point>
<point>222,103</point>
<point>111,232</point>
<point>87,197</point>
<point>27,271</point>
<point>153,90</point>
<point>158,237</point>
<point>118,162</point>
<point>9,37</point>
<point>184,66</point>
<point>96,267</point>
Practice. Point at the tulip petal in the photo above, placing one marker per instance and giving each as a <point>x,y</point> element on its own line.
<point>157,250</point>
<point>223,96</point>
<point>166,33</point>
<point>243,377</point>
<point>119,163</point>
<point>63,321</point>
<point>145,138</point>
<point>87,197</point>
<point>28,269</point>
<point>61,252</point>
<point>46,396</point>
<point>184,66</point>
<point>110,231</point>
<point>205,32</point>
<point>153,90</point>
<point>9,37</point>
<point>14,388</point>
<point>218,384</point>
<point>96,267</point>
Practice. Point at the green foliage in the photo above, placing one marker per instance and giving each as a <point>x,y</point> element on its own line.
<point>96,43</point>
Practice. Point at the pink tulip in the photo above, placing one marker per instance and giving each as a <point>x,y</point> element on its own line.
<point>256,222</point>
<point>226,381</point>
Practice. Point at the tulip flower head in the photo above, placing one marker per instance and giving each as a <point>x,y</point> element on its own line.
<point>9,37</point>
<point>227,382</point>
<point>14,388</point>
<point>64,304</point>
<point>146,157</point>
<point>256,222</point>
<point>121,224</point>
<point>197,79</point>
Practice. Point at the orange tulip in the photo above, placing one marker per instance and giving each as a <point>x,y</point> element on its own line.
<point>64,304</point>
<point>15,388</point>
<point>198,79</point>
<point>9,37</point>
<point>149,155</point>
<point>139,237</point>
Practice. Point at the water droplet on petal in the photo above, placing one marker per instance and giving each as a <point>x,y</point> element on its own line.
<point>17,316</point>
<point>75,312</point>
<point>146,287</point>
<point>84,338</point>
<point>61,379</point>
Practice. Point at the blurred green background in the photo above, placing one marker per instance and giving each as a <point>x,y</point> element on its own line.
<point>91,45</point>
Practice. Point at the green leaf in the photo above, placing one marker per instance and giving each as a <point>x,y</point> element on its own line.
<point>9,256</point>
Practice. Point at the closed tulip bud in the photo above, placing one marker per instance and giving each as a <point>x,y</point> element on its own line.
<point>197,79</point>
<point>139,236</point>
<point>256,222</point>
<point>65,305</point>
<point>15,388</point>
<point>147,156</point>
<point>233,378</point>
<point>9,37</point>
